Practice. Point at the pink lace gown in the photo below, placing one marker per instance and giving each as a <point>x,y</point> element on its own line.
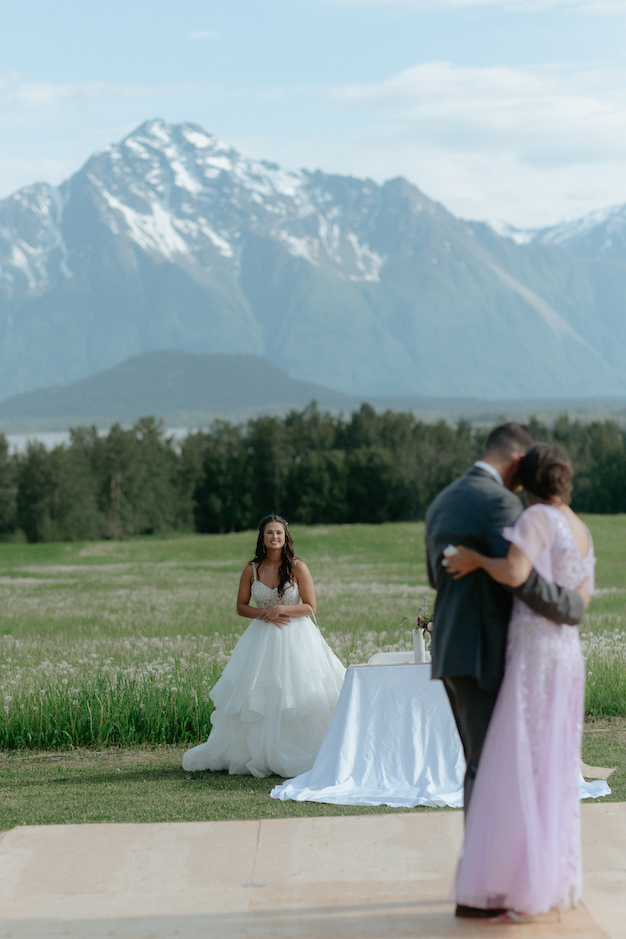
<point>522,846</point>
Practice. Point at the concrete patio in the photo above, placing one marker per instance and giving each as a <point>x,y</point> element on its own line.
<point>375,876</point>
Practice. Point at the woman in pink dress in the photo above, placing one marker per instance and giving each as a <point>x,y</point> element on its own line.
<point>522,849</point>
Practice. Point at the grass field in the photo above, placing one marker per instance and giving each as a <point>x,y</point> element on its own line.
<point>113,646</point>
<point>119,642</point>
<point>149,785</point>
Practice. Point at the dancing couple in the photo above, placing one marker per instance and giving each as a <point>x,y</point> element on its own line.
<point>511,587</point>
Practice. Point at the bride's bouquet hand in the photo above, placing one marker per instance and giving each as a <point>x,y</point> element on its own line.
<point>463,562</point>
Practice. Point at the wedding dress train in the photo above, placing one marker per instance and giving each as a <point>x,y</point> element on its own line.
<point>275,699</point>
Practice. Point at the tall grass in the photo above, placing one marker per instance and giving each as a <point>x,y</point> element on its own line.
<point>119,643</point>
<point>126,692</point>
<point>605,656</point>
<point>97,699</point>
<point>106,692</point>
<point>150,691</point>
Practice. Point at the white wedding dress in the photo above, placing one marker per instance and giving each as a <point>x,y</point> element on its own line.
<point>275,699</point>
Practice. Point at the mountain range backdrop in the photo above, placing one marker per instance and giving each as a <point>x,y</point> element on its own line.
<point>171,275</point>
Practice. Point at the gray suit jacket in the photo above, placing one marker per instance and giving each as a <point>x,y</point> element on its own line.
<point>472,614</point>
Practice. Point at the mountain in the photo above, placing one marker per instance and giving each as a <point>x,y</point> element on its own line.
<point>174,383</point>
<point>173,240</point>
<point>599,235</point>
<point>188,389</point>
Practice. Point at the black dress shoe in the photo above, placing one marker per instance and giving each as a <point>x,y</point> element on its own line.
<point>475,912</point>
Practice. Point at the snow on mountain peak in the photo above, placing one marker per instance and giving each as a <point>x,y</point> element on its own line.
<point>600,234</point>
<point>197,138</point>
<point>175,191</point>
<point>520,236</point>
<point>613,218</point>
<point>30,232</point>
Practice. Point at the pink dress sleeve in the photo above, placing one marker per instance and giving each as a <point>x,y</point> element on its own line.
<point>532,533</point>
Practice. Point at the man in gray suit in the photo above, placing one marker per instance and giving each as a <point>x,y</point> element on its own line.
<point>472,614</point>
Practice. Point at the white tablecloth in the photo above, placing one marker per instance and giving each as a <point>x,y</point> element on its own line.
<point>392,741</point>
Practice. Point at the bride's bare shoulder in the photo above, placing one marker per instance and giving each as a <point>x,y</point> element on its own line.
<point>300,569</point>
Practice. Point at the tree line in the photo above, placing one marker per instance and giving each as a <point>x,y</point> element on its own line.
<point>309,466</point>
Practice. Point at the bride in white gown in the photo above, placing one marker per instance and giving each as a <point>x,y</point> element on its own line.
<point>276,696</point>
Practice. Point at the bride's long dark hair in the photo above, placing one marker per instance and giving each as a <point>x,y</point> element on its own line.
<point>285,571</point>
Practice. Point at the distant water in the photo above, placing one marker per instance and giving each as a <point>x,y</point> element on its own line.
<point>52,438</point>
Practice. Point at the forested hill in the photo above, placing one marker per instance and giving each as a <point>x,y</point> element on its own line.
<point>309,466</point>
<point>186,389</point>
<point>178,386</point>
<point>171,239</point>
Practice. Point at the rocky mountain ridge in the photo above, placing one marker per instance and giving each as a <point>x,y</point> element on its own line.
<point>599,235</point>
<point>171,239</point>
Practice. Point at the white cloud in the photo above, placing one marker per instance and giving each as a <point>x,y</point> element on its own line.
<point>17,94</point>
<point>528,145</point>
<point>550,115</point>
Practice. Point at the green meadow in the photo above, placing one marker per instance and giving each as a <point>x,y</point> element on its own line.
<point>108,651</point>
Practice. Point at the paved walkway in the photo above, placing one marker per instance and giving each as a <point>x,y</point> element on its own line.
<point>376,876</point>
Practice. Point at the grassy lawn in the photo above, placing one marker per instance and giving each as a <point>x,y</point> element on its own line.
<point>604,744</point>
<point>148,620</point>
<point>137,785</point>
<point>149,785</point>
<point>119,642</point>
<point>365,575</point>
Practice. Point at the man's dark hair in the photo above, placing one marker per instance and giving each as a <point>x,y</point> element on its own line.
<point>508,439</point>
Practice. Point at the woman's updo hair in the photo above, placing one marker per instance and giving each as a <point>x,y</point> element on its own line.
<point>546,471</point>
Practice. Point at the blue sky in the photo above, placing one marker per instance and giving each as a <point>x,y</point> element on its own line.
<point>512,110</point>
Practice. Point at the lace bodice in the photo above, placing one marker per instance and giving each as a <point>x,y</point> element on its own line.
<point>543,534</point>
<point>568,568</point>
<point>265,596</point>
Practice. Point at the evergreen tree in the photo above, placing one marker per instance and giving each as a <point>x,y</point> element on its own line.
<point>270,453</point>
<point>8,490</point>
<point>224,496</point>
<point>35,492</point>
<point>316,489</point>
<point>138,473</point>
<point>310,466</point>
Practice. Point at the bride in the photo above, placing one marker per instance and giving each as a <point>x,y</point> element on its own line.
<point>277,694</point>
<point>522,849</point>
